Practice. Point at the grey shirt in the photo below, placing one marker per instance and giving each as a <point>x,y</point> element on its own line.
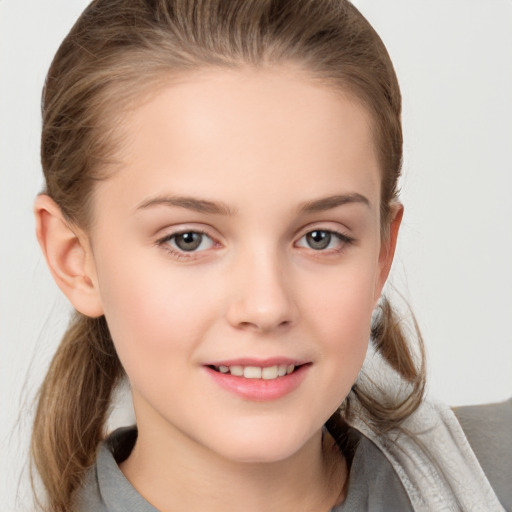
<point>373,484</point>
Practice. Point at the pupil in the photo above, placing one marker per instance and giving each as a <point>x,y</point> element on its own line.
<point>318,239</point>
<point>188,241</point>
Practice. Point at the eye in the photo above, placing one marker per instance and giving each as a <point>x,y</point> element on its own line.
<point>188,241</point>
<point>322,239</point>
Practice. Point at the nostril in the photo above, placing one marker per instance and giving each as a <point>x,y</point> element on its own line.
<point>264,326</point>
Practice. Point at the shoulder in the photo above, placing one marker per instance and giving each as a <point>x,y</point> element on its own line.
<point>488,429</point>
<point>374,485</point>
<point>88,497</point>
<point>105,488</point>
<point>431,455</point>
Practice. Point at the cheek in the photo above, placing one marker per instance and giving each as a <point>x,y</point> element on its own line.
<point>151,312</point>
<point>341,311</point>
<point>343,303</point>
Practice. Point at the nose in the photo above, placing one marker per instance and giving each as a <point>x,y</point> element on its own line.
<point>262,298</point>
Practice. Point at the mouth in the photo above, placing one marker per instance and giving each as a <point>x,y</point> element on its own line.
<point>257,372</point>
<point>259,381</point>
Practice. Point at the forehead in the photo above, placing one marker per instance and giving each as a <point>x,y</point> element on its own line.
<point>268,130</point>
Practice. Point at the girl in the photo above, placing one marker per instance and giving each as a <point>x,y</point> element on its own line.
<point>221,210</point>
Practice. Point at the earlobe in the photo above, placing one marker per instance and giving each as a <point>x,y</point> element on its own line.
<point>68,255</point>
<point>388,246</point>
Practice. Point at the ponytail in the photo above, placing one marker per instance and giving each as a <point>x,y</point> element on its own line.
<point>72,408</point>
<point>390,341</point>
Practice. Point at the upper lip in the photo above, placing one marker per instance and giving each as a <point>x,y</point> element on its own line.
<point>262,363</point>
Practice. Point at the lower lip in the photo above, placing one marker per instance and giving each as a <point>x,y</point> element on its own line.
<point>260,390</point>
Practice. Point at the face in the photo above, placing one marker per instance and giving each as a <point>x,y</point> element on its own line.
<point>238,258</point>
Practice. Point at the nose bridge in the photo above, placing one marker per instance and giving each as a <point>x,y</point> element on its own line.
<point>262,297</point>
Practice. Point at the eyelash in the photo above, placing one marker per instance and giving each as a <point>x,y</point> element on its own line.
<point>342,238</point>
<point>176,252</point>
<point>181,254</point>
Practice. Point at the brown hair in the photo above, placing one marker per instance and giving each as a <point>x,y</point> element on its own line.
<point>117,51</point>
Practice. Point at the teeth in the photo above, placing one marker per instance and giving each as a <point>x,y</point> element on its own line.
<point>236,370</point>
<point>252,372</point>
<point>255,372</point>
<point>271,372</point>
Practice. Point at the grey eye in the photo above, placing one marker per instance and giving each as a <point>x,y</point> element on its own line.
<point>188,241</point>
<point>319,240</point>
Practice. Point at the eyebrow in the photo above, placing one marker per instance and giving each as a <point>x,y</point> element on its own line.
<point>328,203</point>
<point>219,208</point>
<point>190,203</point>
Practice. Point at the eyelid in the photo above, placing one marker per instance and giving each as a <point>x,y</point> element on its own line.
<point>332,227</point>
<point>176,251</point>
<point>340,233</point>
<point>178,229</point>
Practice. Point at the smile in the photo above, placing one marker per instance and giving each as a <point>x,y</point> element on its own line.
<point>269,380</point>
<point>256,372</point>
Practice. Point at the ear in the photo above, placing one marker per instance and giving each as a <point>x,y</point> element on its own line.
<point>68,255</point>
<point>387,249</point>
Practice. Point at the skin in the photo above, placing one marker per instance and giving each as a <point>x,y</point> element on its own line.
<point>264,144</point>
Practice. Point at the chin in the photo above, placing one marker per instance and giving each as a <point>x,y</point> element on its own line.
<point>258,454</point>
<point>262,445</point>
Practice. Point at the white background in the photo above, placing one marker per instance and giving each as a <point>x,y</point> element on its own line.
<point>454,264</point>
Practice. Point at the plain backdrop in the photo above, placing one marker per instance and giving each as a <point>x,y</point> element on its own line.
<point>454,262</point>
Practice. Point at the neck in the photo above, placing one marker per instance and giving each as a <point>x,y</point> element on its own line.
<point>174,474</point>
